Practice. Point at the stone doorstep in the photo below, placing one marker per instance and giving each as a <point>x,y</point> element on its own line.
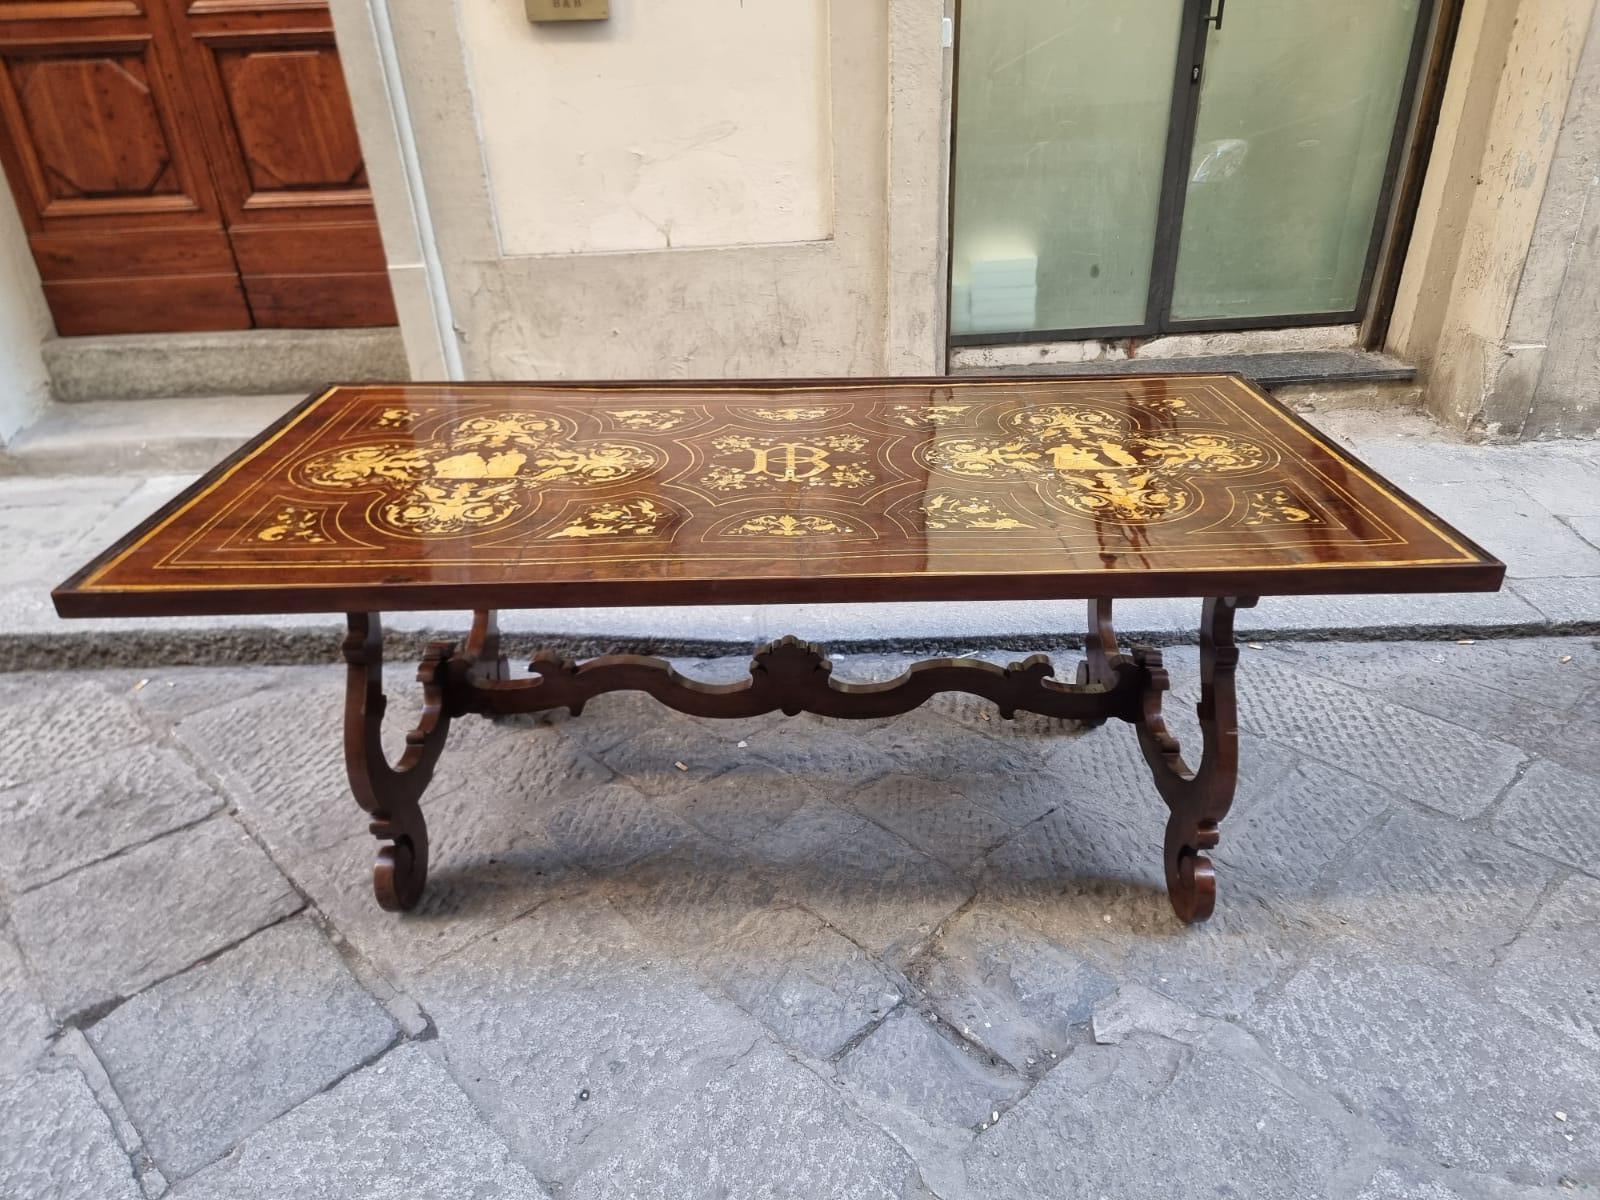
<point>1272,369</point>
<point>245,362</point>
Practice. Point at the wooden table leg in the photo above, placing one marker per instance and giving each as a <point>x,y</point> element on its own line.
<point>1199,798</point>
<point>392,795</point>
<point>792,676</point>
<point>1099,651</point>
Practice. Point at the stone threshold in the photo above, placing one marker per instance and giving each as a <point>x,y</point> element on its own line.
<point>1275,369</point>
<point>243,362</point>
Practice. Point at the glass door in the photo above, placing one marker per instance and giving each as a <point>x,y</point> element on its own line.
<point>1062,116</point>
<point>1127,169</point>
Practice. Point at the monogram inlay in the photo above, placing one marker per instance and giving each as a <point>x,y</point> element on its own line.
<point>834,460</point>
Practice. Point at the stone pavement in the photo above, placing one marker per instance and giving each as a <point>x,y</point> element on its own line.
<point>928,957</point>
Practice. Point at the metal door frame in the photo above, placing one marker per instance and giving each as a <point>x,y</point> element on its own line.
<point>1182,122</point>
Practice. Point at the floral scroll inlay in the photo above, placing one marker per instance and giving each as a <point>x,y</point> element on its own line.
<point>654,420</point>
<point>915,416</point>
<point>396,418</point>
<point>1278,506</point>
<point>624,518</point>
<point>1097,461</point>
<point>483,471</point>
<point>790,525</point>
<point>291,523</point>
<point>790,414</point>
<point>949,511</point>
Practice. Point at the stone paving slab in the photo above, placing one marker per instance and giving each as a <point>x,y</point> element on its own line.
<point>1439,1070</point>
<point>80,814</point>
<point>1166,1104</point>
<point>109,930</point>
<point>204,1059</point>
<point>398,1128</point>
<point>565,1027</point>
<point>1001,985</point>
<point>813,987</point>
<point>1385,744</point>
<point>928,957</point>
<point>1546,972</point>
<point>1552,810</point>
<point>60,725</point>
<point>1444,893</point>
<point>56,1141</point>
<point>25,1026</point>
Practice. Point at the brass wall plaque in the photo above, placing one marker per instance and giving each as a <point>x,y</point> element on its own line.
<point>568,10</point>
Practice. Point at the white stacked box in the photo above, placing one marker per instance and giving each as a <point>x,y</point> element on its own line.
<point>1003,294</point>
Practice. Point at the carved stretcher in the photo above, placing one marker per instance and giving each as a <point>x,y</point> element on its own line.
<point>482,497</point>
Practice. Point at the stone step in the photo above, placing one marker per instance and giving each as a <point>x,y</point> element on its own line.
<point>147,437</point>
<point>1273,370</point>
<point>1308,381</point>
<point>247,362</point>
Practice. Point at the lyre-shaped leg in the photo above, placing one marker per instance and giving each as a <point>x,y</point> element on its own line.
<point>1198,797</point>
<point>392,794</point>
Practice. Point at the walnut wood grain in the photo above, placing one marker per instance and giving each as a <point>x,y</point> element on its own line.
<point>457,496</point>
<point>792,676</point>
<point>1199,797</point>
<point>147,145</point>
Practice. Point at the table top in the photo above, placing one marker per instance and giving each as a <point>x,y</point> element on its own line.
<point>429,496</point>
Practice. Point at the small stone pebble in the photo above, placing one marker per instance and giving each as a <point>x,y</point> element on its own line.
<point>681,766</point>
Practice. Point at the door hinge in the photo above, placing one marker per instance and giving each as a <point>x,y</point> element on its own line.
<point>947,32</point>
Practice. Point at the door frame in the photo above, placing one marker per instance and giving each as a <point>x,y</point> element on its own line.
<point>1182,122</point>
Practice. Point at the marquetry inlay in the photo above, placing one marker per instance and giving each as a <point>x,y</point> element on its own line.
<point>591,484</point>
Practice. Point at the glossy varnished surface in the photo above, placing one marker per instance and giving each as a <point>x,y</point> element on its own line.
<point>444,496</point>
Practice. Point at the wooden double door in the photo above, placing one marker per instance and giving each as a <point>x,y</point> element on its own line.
<point>188,165</point>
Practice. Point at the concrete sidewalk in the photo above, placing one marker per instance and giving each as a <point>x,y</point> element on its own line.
<point>1537,506</point>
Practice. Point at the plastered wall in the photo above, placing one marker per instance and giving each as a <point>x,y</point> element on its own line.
<point>1498,301</point>
<point>24,325</point>
<point>694,188</point>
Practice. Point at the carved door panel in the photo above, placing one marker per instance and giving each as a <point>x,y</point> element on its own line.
<point>109,171</point>
<point>187,165</point>
<point>275,115</point>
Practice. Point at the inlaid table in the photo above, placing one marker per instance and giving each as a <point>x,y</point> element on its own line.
<point>489,496</point>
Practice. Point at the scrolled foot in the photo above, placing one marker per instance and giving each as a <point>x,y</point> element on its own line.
<point>401,872</point>
<point>1191,879</point>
